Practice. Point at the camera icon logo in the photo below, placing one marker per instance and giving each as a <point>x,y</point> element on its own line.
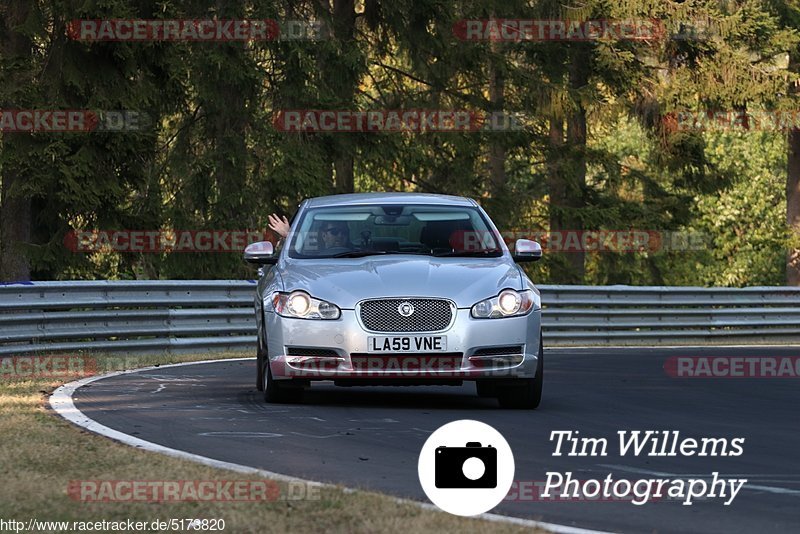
<point>472,466</point>
<point>466,467</point>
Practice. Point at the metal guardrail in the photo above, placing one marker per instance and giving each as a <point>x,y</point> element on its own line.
<point>127,316</point>
<point>193,316</point>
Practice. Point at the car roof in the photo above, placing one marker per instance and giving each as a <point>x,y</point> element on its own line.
<point>356,199</point>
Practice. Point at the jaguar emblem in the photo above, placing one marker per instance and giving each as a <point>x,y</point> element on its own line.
<point>406,309</point>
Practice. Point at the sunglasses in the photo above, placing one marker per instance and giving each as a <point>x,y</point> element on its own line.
<point>335,230</point>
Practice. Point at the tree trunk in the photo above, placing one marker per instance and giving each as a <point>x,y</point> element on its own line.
<point>342,81</point>
<point>576,140</point>
<point>230,167</point>
<point>15,203</point>
<point>498,180</point>
<point>556,187</point>
<point>793,207</point>
<point>343,173</point>
<point>567,170</point>
<point>228,101</point>
<point>555,181</point>
<point>344,26</point>
<point>793,189</point>
<point>15,225</point>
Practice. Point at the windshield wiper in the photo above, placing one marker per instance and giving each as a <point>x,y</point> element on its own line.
<point>363,252</point>
<point>491,253</point>
<point>358,253</point>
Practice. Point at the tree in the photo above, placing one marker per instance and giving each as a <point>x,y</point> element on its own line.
<point>788,12</point>
<point>16,47</point>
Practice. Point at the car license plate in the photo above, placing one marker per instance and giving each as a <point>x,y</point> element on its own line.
<point>406,344</point>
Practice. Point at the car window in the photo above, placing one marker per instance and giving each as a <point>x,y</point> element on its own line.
<point>394,229</point>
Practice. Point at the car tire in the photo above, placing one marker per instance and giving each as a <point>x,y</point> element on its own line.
<point>261,356</point>
<point>259,369</point>
<point>275,392</point>
<point>526,394</point>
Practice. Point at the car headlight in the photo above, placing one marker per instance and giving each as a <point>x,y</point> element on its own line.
<point>508,303</point>
<point>301,305</point>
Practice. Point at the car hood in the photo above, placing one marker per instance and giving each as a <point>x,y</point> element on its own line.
<point>346,281</point>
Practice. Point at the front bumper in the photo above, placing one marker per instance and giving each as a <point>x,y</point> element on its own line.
<point>332,350</point>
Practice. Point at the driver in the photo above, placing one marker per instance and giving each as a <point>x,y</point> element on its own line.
<point>335,234</point>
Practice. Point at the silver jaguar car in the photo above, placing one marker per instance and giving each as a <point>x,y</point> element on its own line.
<point>397,289</point>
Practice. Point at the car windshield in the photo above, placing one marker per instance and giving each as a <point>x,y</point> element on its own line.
<point>358,231</point>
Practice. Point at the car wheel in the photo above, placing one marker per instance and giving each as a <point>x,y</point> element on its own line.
<point>275,392</point>
<point>526,394</point>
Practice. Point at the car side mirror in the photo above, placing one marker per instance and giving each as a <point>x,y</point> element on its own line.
<point>527,250</point>
<point>260,253</point>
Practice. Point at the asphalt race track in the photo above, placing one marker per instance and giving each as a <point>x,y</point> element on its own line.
<point>370,437</point>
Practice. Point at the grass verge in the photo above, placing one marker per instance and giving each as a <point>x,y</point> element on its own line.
<point>42,454</point>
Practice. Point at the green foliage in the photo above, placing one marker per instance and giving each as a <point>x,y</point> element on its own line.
<point>211,158</point>
<point>746,221</point>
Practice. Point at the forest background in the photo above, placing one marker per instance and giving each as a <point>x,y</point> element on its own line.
<point>604,143</point>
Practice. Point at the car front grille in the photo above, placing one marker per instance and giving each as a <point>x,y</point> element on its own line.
<point>429,315</point>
